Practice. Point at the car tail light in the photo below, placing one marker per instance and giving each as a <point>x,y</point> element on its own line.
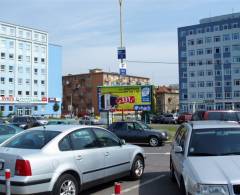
<point>23,168</point>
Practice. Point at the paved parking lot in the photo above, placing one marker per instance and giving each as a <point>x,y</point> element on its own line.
<point>155,181</point>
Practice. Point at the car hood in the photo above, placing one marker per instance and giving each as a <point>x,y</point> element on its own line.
<point>216,169</point>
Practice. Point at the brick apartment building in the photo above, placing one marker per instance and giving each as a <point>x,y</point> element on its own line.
<point>80,91</point>
<point>167,99</point>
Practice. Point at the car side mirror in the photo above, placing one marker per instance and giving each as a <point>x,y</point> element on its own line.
<point>122,142</point>
<point>178,149</point>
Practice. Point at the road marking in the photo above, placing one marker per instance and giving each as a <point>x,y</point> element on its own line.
<point>142,184</point>
<point>161,153</point>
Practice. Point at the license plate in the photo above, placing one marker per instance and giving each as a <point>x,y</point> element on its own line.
<point>1,165</point>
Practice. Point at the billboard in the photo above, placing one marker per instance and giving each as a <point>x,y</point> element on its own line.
<point>126,98</point>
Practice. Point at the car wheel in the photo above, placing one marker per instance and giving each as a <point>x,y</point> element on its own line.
<point>137,168</point>
<point>153,141</point>
<point>172,172</point>
<point>66,184</point>
<point>182,187</point>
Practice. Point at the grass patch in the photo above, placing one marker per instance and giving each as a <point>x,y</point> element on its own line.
<point>171,128</point>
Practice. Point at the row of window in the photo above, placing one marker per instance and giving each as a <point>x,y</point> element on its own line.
<point>194,84</point>
<point>22,46</point>
<point>22,33</point>
<point>208,51</point>
<point>20,81</point>
<point>209,95</point>
<point>226,61</point>
<point>214,28</point>
<point>2,108</point>
<point>202,73</point>
<point>3,68</point>
<point>20,58</point>
<point>21,93</point>
<point>10,108</point>
<point>217,106</point>
<point>225,37</point>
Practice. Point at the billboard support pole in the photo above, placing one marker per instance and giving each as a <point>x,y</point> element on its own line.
<point>122,115</point>
<point>107,118</point>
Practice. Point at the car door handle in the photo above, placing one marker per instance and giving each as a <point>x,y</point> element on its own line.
<point>106,153</point>
<point>79,157</point>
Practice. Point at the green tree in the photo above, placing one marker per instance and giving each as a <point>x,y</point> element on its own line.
<point>56,107</point>
<point>1,113</point>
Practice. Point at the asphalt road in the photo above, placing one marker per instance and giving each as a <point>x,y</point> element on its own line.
<point>155,180</point>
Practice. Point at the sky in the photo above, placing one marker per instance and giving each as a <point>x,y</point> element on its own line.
<point>88,31</point>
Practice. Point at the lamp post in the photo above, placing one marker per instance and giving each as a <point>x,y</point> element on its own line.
<point>121,37</point>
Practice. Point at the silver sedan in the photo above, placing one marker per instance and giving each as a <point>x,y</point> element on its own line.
<point>67,159</point>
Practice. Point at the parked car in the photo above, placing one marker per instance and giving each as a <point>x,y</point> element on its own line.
<point>222,115</point>
<point>58,122</point>
<point>25,122</point>
<point>138,132</point>
<point>88,120</point>
<point>184,117</point>
<point>65,159</point>
<point>204,158</point>
<point>7,131</point>
<point>170,118</point>
<point>41,120</point>
<point>157,119</point>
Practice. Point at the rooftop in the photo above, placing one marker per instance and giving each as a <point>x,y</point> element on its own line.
<point>220,18</point>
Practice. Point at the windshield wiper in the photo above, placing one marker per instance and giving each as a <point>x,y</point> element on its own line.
<point>230,153</point>
<point>202,154</point>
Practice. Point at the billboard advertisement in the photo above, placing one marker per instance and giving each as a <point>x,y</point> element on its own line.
<point>126,98</point>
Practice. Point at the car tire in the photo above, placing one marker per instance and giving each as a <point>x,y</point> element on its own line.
<point>64,180</point>
<point>172,172</point>
<point>182,187</point>
<point>153,141</point>
<point>137,168</point>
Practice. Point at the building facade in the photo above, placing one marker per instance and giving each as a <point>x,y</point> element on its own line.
<point>167,99</point>
<point>80,91</point>
<point>209,64</point>
<point>27,63</point>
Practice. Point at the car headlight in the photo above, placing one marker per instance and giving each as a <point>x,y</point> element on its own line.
<point>202,189</point>
<point>163,134</point>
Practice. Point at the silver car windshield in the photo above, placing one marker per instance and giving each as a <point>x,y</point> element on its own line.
<point>31,139</point>
<point>214,142</point>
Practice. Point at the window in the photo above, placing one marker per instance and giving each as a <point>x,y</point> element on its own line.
<point>19,81</point>
<point>2,93</point>
<point>28,58</point>
<point>192,84</point>
<point>2,55</point>
<point>199,41</point>
<point>3,43</point>
<point>208,29</point>
<point>199,30</point>
<point>43,71</point>
<point>183,33</point>
<point>2,68</point>
<point>106,138</point>
<point>237,82</point>
<point>217,39</point>
<point>218,95</point>
<point>193,95</point>
<point>183,54</point>
<point>35,36</point>
<point>201,95</point>
<point>27,93</point>
<point>209,62</point>
<point>43,38</point>
<point>209,72</point>
<point>184,74</point>
<point>28,81</point>
<point>190,32</point>
<point>191,52</point>
<point>200,52</point>
<point>2,80</point>
<point>216,28</point>
<point>20,57</point>
<point>228,95</point>
<point>42,93</point>
<point>192,74</point>
<point>28,35</point>
<point>226,37</point>
<point>236,70</point>
<point>28,47</point>
<point>218,72</point>
<point>191,42</point>
<point>217,50</point>
<point>236,59</point>
<point>227,71</point>
<point>10,108</point>
<point>20,33</point>
<point>35,60</point>
<point>225,26</point>
<point>20,69</point>
<point>209,95</point>
<point>35,93</point>
<point>209,51</point>
<point>35,82</point>
<point>217,62</point>
<point>43,50</point>
<point>12,31</point>
<point>200,83</point>
<point>11,44</point>
<point>208,39</point>
<point>10,68</point>
<point>236,47</point>
<point>42,82</point>
<point>218,83</point>
<point>226,49</point>
<point>36,48</point>
<point>64,144</point>
<point>184,85</point>
<point>35,71</point>
<point>234,25</point>
<point>20,93</point>
<point>201,73</point>
<point>209,83</point>
<point>28,70</point>
<point>43,60</point>
<point>35,108</point>
<point>200,62</point>
<point>228,83</point>
<point>83,139</point>
<point>235,36</point>
<point>2,108</point>
<point>236,93</point>
<point>11,56</point>
<point>20,45</point>
<point>10,92</point>
<point>192,63</point>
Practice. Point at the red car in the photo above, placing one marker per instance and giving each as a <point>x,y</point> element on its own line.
<point>222,115</point>
<point>184,117</point>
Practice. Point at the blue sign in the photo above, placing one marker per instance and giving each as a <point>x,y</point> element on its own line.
<point>142,108</point>
<point>123,71</point>
<point>122,53</point>
<point>146,93</point>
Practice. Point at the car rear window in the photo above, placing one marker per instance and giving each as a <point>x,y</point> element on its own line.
<point>32,139</point>
<point>224,116</point>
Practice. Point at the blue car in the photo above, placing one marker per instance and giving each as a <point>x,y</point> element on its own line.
<point>7,131</point>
